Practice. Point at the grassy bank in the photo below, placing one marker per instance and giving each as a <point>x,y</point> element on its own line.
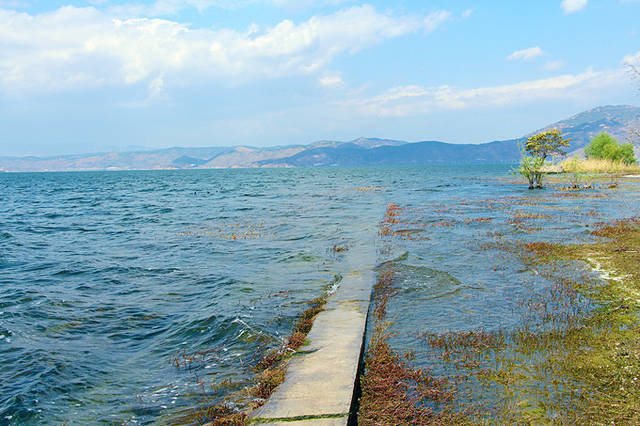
<point>598,356</point>
<point>576,357</point>
<point>574,165</point>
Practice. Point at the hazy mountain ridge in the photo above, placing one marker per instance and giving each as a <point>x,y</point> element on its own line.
<point>417,153</point>
<point>616,120</point>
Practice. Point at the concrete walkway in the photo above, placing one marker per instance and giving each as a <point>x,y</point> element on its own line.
<point>320,379</point>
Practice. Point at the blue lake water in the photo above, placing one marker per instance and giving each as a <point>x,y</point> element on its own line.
<point>108,278</point>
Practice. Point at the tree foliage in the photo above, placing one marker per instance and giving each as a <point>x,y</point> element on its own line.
<point>536,150</point>
<point>606,147</point>
<point>549,142</point>
<point>531,169</point>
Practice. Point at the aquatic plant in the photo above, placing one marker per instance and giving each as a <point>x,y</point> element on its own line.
<point>572,358</point>
<point>393,392</point>
<point>270,373</point>
<point>597,356</point>
<point>531,169</point>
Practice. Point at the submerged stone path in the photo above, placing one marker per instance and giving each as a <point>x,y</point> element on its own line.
<point>321,377</point>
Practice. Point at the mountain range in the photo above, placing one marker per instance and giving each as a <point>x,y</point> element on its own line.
<point>616,120</point>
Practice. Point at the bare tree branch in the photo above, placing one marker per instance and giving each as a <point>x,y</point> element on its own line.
<point>634,132</point>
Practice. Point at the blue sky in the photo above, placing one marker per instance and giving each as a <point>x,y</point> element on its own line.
<point>102,75</point>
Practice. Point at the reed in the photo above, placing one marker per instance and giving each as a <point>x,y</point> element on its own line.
<point>575,165</point>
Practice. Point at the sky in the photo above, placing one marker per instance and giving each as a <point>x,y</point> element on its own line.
<point>116,75</point>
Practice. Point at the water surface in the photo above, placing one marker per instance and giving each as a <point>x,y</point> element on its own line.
<point>108,278</point>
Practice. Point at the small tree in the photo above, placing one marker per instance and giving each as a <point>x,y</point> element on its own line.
<point>531,169</point>
<point>602,147</point>
<point>536,151</point>
<point>549,142</point>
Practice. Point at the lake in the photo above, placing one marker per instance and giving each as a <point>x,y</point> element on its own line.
<point>110,280</point>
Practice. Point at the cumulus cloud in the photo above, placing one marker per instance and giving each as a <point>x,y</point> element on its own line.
<point>78,47</point>
<point>418,100</point>
<point>525,54</point>
<point>571,6</point>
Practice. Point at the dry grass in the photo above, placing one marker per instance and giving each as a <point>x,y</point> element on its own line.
<point>574,165</point>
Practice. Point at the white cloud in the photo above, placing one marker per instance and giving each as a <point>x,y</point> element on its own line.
<point>571,6</point>
<point>333,80</point>
<point>553,65</point>
<point>13,3</point>
<point>525,54</point>
<point>434,20</point>
<point>78,47</point>
<point>163,8</point>
<point>418,100</point>
<point>172,7</point>
<point>467,13</point>
<point>302,4</point>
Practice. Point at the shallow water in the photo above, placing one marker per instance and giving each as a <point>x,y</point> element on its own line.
<point>460,272</point>
<point>108,278</point>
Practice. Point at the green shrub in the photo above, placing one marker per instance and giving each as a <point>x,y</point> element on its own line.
<point>531,169</point>
<point>606,147</point>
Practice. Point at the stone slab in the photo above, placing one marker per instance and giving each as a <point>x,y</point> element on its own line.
<point>320,379</point>
<point>338,421</point>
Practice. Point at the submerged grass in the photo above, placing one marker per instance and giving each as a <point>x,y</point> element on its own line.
<point>600,354</point>
<point>394,392</point>
<point>574,358</point>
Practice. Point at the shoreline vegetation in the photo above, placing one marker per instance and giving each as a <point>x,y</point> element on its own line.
<point>597,357</point>
<point>270,372</point>
<point>592,165</point>
<point>574,360</point>
<point>604,155</point>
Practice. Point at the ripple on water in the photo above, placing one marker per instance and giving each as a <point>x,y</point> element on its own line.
<point>99,292</point>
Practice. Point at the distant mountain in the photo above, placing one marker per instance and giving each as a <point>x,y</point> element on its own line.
<point>616,120</point>
<point>418,153</point>
<point>243,156</point>
<point>361,142</point>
